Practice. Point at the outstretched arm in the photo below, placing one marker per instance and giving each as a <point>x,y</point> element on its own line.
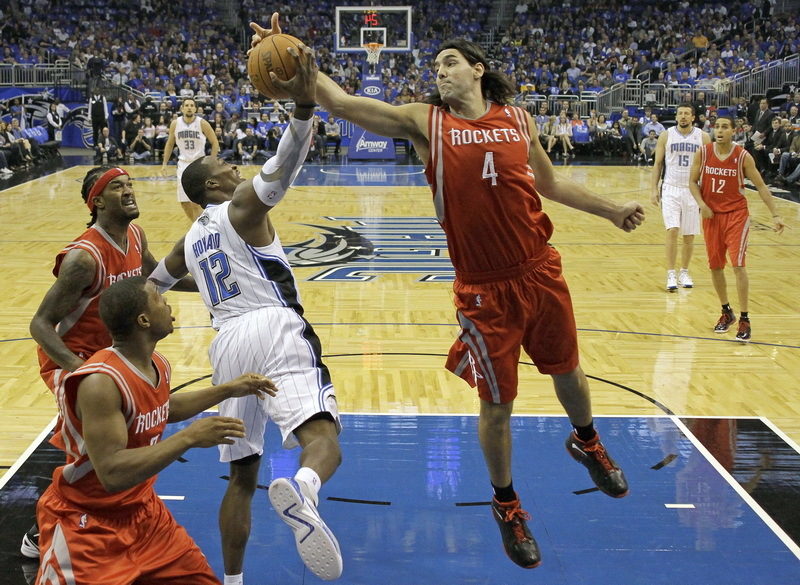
<point>564,190</point>
<point>188,404</point>
<point>408,121</point>
<point>99,406</point>
<point>253,199</point>
<point>172,271</point>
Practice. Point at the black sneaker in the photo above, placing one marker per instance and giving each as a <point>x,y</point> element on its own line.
<point>603,470</point>
<point>725,321</point>
<point>517,538</point>
<point>30,543</point>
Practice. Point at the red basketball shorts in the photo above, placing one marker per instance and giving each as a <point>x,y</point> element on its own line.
<point>148,546</point>
<point>533,312</point>
<point>727,232</point>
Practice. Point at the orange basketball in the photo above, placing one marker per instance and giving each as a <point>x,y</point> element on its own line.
<point>271,55</point>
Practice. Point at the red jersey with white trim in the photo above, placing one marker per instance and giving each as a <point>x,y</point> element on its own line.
<point>145,407</point>
<point>81,330</point>
<point>483,192</point>
<point>722,180</point>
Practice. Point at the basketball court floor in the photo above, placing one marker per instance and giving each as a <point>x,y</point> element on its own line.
<point>705,427</point>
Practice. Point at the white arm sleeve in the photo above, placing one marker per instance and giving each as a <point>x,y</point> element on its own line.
<point>279,172</point>
<point>162,278</point>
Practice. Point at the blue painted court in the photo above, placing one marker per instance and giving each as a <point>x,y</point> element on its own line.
<point>409,505</point>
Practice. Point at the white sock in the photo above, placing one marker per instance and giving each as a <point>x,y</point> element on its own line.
<point>234,579</point>
<point>309,477</point>
<point>670,272</point>
<point>683,270</point>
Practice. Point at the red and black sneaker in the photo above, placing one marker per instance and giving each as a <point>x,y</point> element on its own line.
<point>725,321</point>
<point>517,538</point>
<point>743,334</point>
<point>603,470</point>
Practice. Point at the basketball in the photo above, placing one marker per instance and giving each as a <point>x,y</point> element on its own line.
<point>271,55</point>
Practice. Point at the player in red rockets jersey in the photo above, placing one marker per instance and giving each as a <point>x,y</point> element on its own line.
<point>717,184</point>
<point>487,171</point>
<point>100,520</point>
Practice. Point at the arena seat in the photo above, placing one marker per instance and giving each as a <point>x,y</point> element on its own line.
<point>581,138</point>
<point>39,133</point>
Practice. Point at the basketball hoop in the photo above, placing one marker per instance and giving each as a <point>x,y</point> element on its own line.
<point>373,52</point>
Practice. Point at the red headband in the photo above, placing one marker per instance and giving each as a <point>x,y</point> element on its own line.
<point>101,184</point>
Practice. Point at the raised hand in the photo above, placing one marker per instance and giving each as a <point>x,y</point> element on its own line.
<point>260,33</point>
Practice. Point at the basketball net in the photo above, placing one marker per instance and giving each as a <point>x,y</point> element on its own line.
<point>373,52</point>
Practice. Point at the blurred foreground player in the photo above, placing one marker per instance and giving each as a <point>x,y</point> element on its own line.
<point>100,519</point>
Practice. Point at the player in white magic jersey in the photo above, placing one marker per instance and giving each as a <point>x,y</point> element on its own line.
<point>245,280</point>
<point>675,150</point>
<point>189,133</point>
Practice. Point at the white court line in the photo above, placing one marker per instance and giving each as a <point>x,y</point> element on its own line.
<point>780,433</point>
<point>178,498</point>
<point>24,457</point>
<point>680,506</point>
<point>790,544</point>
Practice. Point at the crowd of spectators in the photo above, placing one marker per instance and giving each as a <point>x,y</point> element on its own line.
<point>771,135</point>
<point>22,147</point>
<point>569,47</point>
<point>552,48</point>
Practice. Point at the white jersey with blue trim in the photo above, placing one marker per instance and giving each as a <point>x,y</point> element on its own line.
<point>234,277</point>
<point>679,155</point>
<point>190,139</point>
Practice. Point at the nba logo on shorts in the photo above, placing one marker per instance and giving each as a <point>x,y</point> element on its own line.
<point>476,375</point>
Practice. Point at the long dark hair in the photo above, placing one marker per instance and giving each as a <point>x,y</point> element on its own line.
<point>495,86</point>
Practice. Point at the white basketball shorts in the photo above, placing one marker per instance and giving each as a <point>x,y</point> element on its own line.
<point>182,197</point>
<point>280,344</point>
<point>680,210</point>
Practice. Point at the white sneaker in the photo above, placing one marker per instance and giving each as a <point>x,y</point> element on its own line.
<point>318,547</point>
<point>30,543</point>
<point>7,172</point>
<point>685,280</point>
<point>672,280</point>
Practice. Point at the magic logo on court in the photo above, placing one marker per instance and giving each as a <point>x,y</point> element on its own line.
<point>361,249</point>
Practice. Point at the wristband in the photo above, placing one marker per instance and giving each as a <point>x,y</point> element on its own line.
<point>312,106</point>
<point>162,278</point>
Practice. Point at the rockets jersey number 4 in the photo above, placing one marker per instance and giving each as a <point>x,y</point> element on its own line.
<point>483,188</point>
